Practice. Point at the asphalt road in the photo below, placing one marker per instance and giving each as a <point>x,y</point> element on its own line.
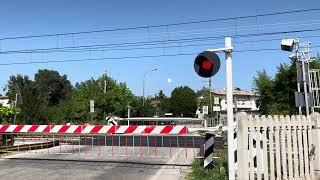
<point>104,158</point>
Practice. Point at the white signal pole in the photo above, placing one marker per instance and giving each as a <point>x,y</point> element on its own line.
<point>228,50</point>
<point>231,162</point>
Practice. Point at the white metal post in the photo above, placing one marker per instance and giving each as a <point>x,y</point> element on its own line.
<point>304,79</point>
<point>231,162</point>
<point>128,115</point>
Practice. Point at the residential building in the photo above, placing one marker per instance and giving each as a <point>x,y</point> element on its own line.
<point>244,101</point>
<point>4,101</point>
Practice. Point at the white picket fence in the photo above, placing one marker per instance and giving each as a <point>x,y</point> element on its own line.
<point>278,147</point>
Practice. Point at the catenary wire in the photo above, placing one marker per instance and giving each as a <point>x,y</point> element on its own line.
<point>130,57</point>
<point>159,42</point>
<point>162,25</point>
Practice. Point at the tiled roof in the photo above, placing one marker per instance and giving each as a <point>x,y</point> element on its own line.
<point>4,97</point>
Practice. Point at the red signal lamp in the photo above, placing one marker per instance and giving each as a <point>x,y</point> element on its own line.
<point>207,64</point>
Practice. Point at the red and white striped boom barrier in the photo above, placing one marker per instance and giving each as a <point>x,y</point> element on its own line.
<point>93,129</point>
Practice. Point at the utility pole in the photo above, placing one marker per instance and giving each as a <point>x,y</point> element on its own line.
<point>105,90</point>
<point>144,82</point>
<point>210,97</point>
<point>105,81</point>
<point>128,114</point>
<point>15,105</point>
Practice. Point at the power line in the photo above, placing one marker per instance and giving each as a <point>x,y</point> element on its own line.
<point>215,30</point>
<point>161,25</point>
<point>160,42</point>
<point>130,57</point>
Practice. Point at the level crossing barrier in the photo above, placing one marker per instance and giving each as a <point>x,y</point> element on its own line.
<point>164,145</point>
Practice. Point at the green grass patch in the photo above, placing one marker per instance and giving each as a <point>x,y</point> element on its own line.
<point>218,171</point>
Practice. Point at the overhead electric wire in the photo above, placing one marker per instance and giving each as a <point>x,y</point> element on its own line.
<point>206,30</point>
<point>161,25</point>
<point>130,57</point>
<point>158,42</point>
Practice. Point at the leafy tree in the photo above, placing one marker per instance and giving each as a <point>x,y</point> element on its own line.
<point>30,105</point>
<point>51,86</point>
<point>264,85</point>
<point>138,110</point>
<point>47,90</point>
<point>7,112</point>
<point>183,101</point>
<point>163,103</point>
<point>205,101</point>
<point>285,84</point>
<point>277,94</point>
<point>114,102</point>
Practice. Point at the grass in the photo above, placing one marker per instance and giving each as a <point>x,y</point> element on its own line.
<point>218,171</point>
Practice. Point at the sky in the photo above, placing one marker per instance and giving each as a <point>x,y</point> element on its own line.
<point>121,52</point>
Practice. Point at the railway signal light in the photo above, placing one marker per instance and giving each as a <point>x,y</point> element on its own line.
<point>207,64</point>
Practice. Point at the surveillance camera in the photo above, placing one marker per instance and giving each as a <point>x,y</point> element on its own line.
<point>287,44</point>
<point>293,57</point>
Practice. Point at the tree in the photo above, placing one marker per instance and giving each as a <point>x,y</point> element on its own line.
<point>183,101</point>
<point>162,103</point>
<point>114,102</point>
<point>30,106</point>
<point>264,85</point>
<point>51,86</point>
<point>277,94</point>
<point>39,97</point>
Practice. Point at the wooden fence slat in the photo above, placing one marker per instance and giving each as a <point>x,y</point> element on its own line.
<point>283,148</point>
<point>278,150</point>
<point>295,147</point>
<point>270,124</point>
<point>264,148</point>
<point>316,142</point>
<point>315,117</point>
<point>258,147</point>
<point>242,151</point>
<point>310,142</point>
<point>305,146</point>
<point>301,167</point>
<point>289,146</point>
<point>251,148</point>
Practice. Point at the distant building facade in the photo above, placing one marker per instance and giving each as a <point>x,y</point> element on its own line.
<point>244,101</point>
<point>4,101</point>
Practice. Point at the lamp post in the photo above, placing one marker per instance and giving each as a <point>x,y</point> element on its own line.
<point>144,82</point>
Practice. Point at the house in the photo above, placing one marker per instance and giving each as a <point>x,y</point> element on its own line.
<point>4,101</point>
<point>244,101</point>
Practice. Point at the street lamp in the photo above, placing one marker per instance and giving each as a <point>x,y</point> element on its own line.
<point>144,79</point>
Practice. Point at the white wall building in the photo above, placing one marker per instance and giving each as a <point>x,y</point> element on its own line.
<point>4,101</point>
<point>244,100</point>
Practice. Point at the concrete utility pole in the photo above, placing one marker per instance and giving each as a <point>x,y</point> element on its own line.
<point>105,90</point>
<point>105,81</point>
<point>210,97</point>
<point>128,114</point>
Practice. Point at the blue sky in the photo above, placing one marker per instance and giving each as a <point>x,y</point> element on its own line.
<point>24,18</point>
